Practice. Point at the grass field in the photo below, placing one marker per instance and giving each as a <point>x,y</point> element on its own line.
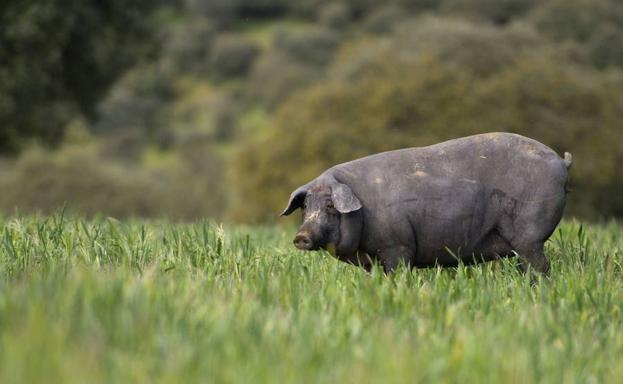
<point>99,300</point>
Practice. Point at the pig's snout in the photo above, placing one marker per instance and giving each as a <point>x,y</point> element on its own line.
<point>303,241</point>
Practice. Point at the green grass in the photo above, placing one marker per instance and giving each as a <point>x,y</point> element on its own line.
<point>107,301</point>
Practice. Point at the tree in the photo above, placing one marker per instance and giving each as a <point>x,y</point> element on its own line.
<point>496,11</point>
<point>58,59</point>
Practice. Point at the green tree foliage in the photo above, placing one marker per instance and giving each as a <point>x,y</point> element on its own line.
<point>187,44</point>
<point>577,20</point>
<point>133,114</point>
<point>335,15</point>
<point>296,60</point>
<point>482,48</point>
<point>226,13</point>
<point>605,47</point>
<point>312,46</point>
<point>58,58</point>
<point>597,25</point>
<point>275,76</point>
<point>383,19</point>
<point>232,56</point>
<point>496,11</point>
<point>221,12</point>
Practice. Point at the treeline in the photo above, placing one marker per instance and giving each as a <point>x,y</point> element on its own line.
<point>219,108</point>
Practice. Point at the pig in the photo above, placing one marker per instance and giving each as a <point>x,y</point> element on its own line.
<point>468,200</point>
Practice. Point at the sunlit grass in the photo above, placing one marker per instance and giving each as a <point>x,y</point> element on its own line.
<point>107,301</point>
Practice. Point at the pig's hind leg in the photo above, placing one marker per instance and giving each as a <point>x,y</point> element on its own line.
<point>527,233</point>
<point>491,247</point>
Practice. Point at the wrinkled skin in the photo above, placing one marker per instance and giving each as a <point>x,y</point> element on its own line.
<point>473,199</point>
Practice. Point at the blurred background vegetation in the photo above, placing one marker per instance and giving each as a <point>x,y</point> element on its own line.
<point>219,108</point>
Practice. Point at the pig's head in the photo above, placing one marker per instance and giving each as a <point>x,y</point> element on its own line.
<point>331,217</point>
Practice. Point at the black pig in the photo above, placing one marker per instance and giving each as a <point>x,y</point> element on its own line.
<point>476,199</point>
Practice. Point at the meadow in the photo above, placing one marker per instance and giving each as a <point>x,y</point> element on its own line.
<point>102,300</point>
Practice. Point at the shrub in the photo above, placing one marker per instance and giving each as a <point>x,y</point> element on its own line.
<point>314,46</point>
<point>261,8</point>
<point>134,109</point>
<point>78,178</point>
<point>383,19</point>
<point>222,13</point>
<point>45,181</point>
<point>577,20</point>
<point>204,113</point>
<point>275,77</point>
<point>335,15</point>
<point>187,45</point>
<point>227,107</point>
<point>496,11</point>
<point>596,26</point>
<point>605,47</point>
<point>481,48</point>
<point>232,55</point>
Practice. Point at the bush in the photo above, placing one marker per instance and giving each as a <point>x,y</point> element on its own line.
<point>426,101</point>
<point>314,46</point>
<point>605,48</point>
<point>496,11</point>
<point>226,111</point>
<point>257,9</point>
<point>222,13</point>
<point>481,48</point>
<point>76,177</point>
<point>187,46</point>
<point>275,77</point>
<point>383,19</point>
<point>134,110</point>
<point>335,15</point>
<point>577,20</point>
<point>232,55</point>
<point>203,113</point>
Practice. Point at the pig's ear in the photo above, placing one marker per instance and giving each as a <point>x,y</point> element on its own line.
<point>297,198</point>
<point>344,199</point>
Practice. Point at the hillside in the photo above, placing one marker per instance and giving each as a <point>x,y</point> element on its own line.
<point>206,108</point>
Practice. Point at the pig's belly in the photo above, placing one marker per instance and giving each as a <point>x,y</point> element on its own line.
<point>451,231</point>
<point>491,247</point>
